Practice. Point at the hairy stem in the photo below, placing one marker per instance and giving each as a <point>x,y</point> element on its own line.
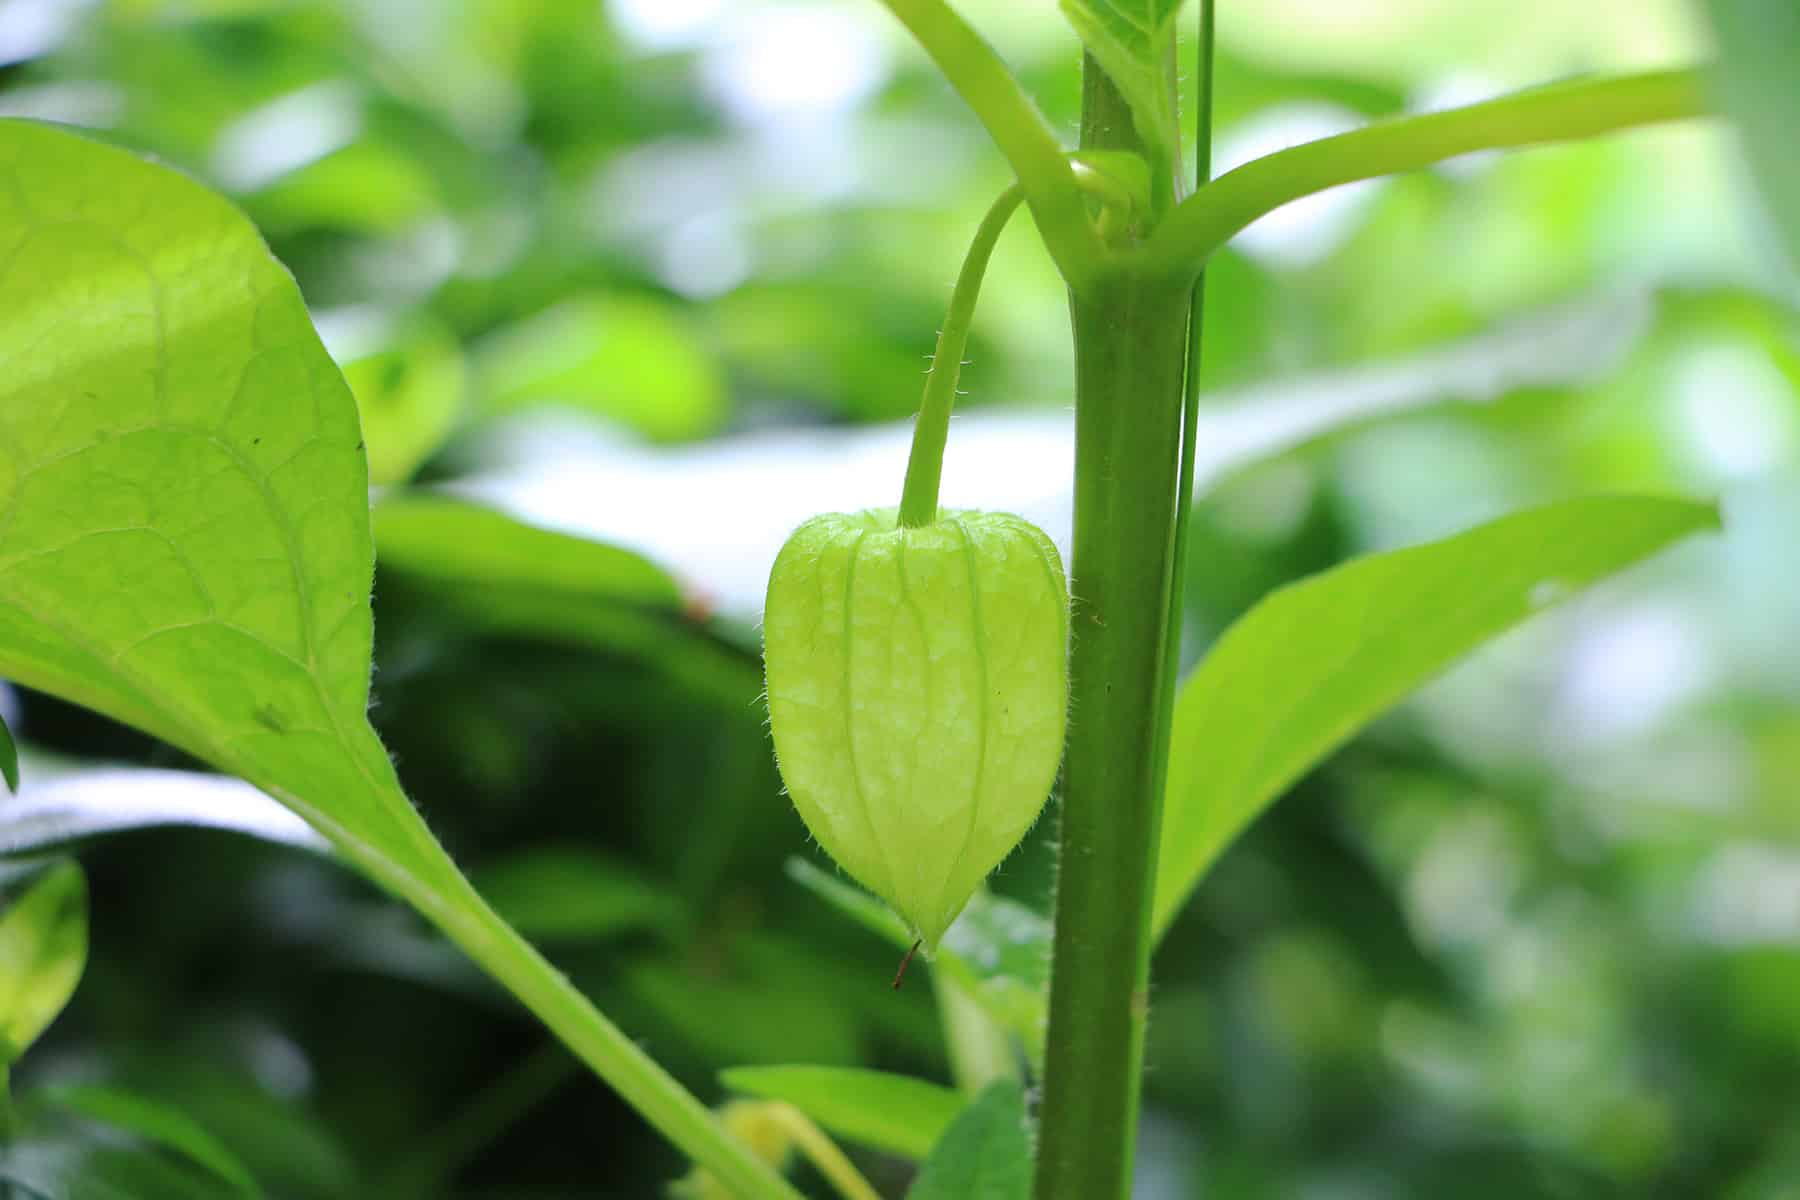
<point>1130,340</point>
<point>925,466</point>
<point>1584,108</point>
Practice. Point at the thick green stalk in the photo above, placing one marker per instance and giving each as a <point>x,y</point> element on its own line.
<point>925,466</point>
<point>1559,112</point>
<point>1130,353</point>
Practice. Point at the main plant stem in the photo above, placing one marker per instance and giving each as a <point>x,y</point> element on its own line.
<point>1130,353</point>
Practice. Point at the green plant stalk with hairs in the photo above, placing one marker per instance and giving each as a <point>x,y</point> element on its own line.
<point>1135,308</point>
<point>1131,242</point>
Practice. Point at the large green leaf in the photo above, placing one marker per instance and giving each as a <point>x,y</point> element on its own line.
<point>1760,40</point>
<point>185,546</point>
<point>889,1112</point>
<point>43,948</point>
<point>185,542</point>
<point>1133,41</point>
<point>1316,661</point>
<point>984,1155</point>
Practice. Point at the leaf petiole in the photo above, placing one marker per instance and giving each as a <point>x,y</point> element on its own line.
<point>1581,108</point>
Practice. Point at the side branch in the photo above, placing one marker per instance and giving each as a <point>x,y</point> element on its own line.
<point>1558,112</point>
<point>1016,126</point>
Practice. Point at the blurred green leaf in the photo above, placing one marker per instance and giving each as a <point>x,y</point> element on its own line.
<point>9,757</point>
<point>721,1014</point>
<point>853,348</point>
<point>852,901</point>
<point>43,949</point>
<point>984,1155</point>
<point>1761,44</point>
<point>998,950</point>
<point>633,360</point>
<point>1133,40</point>
<point>409,397</point>
<point>155,1122</point>
<point>476,558</point>
<point>65,1167</point>
<point>503,576</point>
<point>895,1113</point>
<point>366,186</point>
<point>290,1148</point>
<point>557,893</point>
<point>1317,660</point>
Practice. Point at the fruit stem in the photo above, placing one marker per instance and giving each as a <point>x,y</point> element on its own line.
<point>906,962</point>
<point>925,468</point>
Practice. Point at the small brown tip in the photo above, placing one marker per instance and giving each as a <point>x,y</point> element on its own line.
<point>904,963</point>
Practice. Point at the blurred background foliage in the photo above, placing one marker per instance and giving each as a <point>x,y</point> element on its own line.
<point>1536,934</point>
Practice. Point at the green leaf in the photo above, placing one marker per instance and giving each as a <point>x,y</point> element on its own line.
<point>514,574</point>
<point>185,546</point>
<point>1760,40</point>
<point>155,1122</point>
<point>565,894</point>
<point>502,576</point>
<point>895,1113</point>
<point>1315,661</point>
<point>290,1149</point>
<point>630,359</point>
<point>984,1155</point>
<point>1133,41</point>
<point>998,951</point>
<point>73,1168</point>
<point>43,949</point>
<point>409,396</point>
<point>9,758</point>
<point>852,901</point>
<point>742,1014</point>
<point>187,534</point>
